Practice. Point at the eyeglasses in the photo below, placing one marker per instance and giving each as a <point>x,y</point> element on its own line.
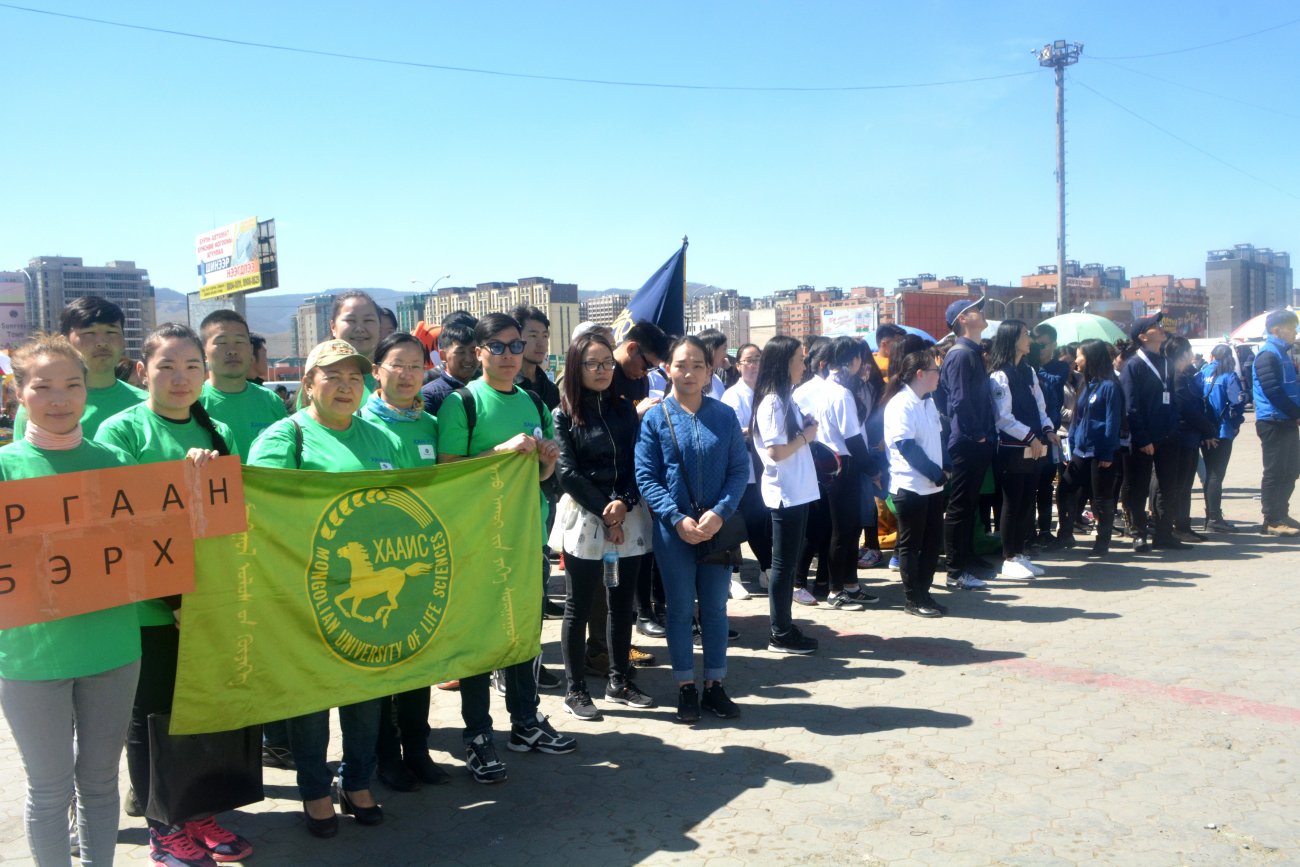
<point>748,361</point>
<point>399,369</point>
<point>496,347</point>
<point>594,366</point>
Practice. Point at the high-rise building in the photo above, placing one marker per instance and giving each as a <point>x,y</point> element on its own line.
<point>1244,282</point>
<point>1091,282</point>
<point>410,311</point>
<point>312,322</point>
<point>559,301</point>
<point>1183,302</point>
<point>57,280</point>
<point>603,309</point>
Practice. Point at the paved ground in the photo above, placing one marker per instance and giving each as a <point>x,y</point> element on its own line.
<point>1143,711</point>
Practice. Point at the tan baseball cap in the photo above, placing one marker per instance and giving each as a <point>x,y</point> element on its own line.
<point>332,352</point>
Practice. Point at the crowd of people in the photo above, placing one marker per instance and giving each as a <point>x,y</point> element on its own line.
<point>658,457</point>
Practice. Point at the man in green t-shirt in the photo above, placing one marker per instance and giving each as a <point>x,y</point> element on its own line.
<point>506,419</point>
<point>228,395</point>
<point>94,326</point>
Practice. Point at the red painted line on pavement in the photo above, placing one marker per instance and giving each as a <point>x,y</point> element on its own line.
<point>961,652</point>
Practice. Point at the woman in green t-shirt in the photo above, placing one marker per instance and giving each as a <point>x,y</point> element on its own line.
<point>66,684</point>
<point>327,435</point>
<point>170,425</point>
<point>403,747</point>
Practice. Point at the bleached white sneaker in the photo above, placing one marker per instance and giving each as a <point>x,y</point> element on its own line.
<point>1030,565</point>
<point>1015,569</point>
<point>738,590</point>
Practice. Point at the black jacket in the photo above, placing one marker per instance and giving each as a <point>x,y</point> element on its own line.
<point>597,457</point>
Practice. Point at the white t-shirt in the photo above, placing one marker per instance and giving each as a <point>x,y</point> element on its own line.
<point>718,386</point>
<point>740,398</point>
<point>789,482</point>
<point>836,413</point>
<point>908,417</point>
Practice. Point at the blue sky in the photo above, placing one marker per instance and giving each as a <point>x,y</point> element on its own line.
<point>125,144</point>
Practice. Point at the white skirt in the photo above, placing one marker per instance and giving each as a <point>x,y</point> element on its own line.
<point>581,533</point>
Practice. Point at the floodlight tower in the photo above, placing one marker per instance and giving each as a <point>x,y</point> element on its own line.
<point>1060,54</point>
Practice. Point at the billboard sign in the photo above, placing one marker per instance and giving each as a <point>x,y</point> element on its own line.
<point>848,321</point>
<point>13,310</point>
<point>227,260</point>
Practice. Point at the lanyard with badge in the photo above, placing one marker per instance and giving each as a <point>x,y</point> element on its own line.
<point>1164,382</point>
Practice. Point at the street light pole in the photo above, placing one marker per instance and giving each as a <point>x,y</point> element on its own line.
<point>1060,54</point>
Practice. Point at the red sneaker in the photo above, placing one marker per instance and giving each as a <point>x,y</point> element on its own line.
<point>220,844</point>
<point>177,850</point>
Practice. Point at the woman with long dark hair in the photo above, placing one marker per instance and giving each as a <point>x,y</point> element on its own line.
<point>1024,433</point>
<point>740,397</point>
<point>600,513</point>
<point>1227,401</point>
<point>1094,441</point>
<point>913,435</point>
<point>875,482</point>
<point>781,434</point>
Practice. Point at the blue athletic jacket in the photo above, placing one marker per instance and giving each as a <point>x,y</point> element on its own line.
<point>1098,413</point>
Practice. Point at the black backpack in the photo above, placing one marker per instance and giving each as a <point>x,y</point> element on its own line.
<point>471,413</point>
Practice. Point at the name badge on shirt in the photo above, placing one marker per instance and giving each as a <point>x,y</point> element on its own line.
<point>385,465</point>
<point>537,433</point>
<point>427,452</point>
<point>1164,398</point>
<point>1092,399</point>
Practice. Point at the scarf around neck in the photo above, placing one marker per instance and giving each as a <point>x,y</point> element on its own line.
<point>44,439</point>
<point>390,413</point>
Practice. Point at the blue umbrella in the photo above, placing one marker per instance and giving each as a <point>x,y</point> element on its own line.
<point>870,336</point>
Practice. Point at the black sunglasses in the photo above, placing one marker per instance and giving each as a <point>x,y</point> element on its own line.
<point>496,347</point>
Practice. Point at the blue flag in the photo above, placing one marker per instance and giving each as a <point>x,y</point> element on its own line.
<point>662,300</point>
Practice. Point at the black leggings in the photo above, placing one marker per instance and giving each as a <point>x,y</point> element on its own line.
<point>1017,514</point>
<point>845,498</point>
<point>159,646</point>
<point>1085,478</point>
<point>920,535</point>
<point>583,579</point>
<point>1216,467</point>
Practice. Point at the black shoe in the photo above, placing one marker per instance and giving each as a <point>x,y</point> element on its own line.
<point>364,815</point>
<point>860,595</point>
<point>931,603</point>
<point>1064,541</point>
<point>1218,525</point>
<point>551,610</point>
<point>579,704</point>
<point>716,701</point>
<point>1290,522</point>
<point>1189,536</point>
<point>394,774</point>
<point>1140,544</point>
<point>323,828</point>
<point>277,757</point>
<point>546,679</point>
<point>1099,550</point>
<point>650,628</point>
<point>1169,543</point>
<point>732,636</point>
<point>131,805</point>
<point>482,762</point>
<point>628,694</point>
<point>921,609</point>
<point>688,704</point>
<point>981,564</point>
<point>792,641</point>
<point>426,770</point>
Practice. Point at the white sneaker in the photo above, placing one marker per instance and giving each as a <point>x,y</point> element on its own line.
<point>738,590</point>
<point>1015,569</point>
<point>1029,564</point>
<point>762,579</point>
<point>966,581</point>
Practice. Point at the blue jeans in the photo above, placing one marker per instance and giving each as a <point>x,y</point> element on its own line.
<point>686,584</point>
<point>309,737</point>
<point>476,699</point>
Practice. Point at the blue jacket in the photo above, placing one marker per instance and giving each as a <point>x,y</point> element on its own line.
<point>1276,390</point>
<point>968,397</point>
<point>1194,421</point>
<point>712,467</point>
<point>1150,418</point>
<point>1052,377</point>
<point>1097,419</point>
<point>1227,403</point>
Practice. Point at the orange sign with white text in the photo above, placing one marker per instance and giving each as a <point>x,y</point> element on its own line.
<point>81,542</point>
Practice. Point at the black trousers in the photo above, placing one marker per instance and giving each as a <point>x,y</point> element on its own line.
<point>1143,469</point>
<point>583,582</point>
<point>920,534</point>
<point>970,461</point>
<point>159,646</point>
<point>788,526</point>
<point>1084,479</point>
<point>1280,442</point>
<point>1017,515</point>
<point>649,588</point>
<point>817,542</point>
<point>403,725</point>
<point>758,524</point>
<point>1186,479</point>
<point>1216,467</point>
<point>1045,495</point>
<point>845,498</point>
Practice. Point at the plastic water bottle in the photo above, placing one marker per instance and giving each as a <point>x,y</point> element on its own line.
<point>609,560</point>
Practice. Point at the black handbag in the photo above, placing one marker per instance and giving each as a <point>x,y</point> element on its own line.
<point>196,776</point>
<point>723,547</point>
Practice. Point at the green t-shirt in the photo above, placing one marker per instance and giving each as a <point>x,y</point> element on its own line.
<point>101,404</point>
<point>151,439</point>
<point>499,416</point>
<point>419,438</point>
<point>247,413</point>
<point>363,446</point>
<point>83,644</point>
<point>371,385</point>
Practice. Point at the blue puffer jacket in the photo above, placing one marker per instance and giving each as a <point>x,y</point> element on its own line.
<point>713,466</point>
<point>1098,416</point>
<point>1228,402</point>
<point>1276,391</point>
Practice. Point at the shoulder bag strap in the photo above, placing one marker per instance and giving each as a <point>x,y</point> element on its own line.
<point>680,456</point>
